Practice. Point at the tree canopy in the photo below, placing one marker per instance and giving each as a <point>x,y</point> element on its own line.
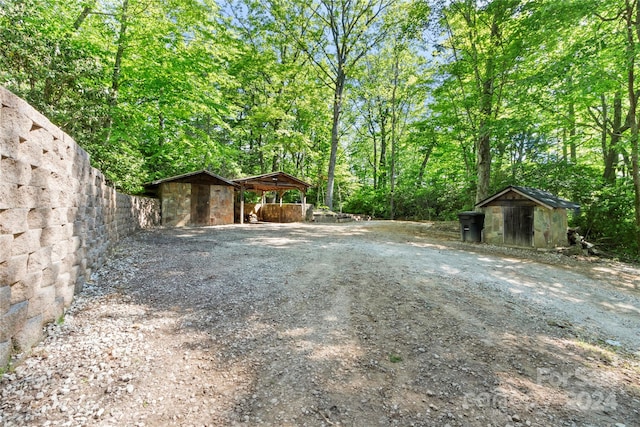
<point>411,109</point>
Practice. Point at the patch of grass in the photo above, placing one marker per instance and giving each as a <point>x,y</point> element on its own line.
<point>562,324</point>
<point>60,320</point>
<point>395,358</point>
<point>631,361</point>
<point>597,352</point>
<point>6,369</point>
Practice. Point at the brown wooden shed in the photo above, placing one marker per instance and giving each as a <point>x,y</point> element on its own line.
<point>525,217</point>
<point>198,198</point>
<point>278,182</point>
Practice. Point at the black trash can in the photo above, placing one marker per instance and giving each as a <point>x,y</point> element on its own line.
<point>471,225</point>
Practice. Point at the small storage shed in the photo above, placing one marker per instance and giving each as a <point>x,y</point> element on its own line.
<point>525,217</point>
<point>278,182</point>
<point>198,198</point>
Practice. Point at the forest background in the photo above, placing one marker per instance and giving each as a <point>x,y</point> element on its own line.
<point>405,109</point>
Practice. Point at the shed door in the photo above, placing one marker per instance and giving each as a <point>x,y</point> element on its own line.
<point>518,225</point>
<point>200,196</point>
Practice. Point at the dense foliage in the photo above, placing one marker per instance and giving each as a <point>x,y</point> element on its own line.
<point>410,109</point>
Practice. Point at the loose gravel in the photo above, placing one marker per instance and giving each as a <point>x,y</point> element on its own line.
<point>360,324</point>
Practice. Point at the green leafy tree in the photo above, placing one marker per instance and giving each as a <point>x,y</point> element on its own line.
<point>281,108</point>
<point>483,43</point>
<point>45,59</point>
<point>340,34</point>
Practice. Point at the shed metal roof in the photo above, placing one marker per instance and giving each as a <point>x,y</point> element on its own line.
<point>201,176</point>
<point>541,197</point>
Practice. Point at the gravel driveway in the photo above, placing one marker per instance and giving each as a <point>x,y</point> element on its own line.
<point>360,324</point>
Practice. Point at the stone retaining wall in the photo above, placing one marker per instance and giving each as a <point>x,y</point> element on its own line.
<point>58,218</point>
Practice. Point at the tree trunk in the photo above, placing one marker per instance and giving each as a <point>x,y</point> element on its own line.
<point>382,169</point>
<point>632,8</point>
<point>374,143</point>
<point>572,124</point>
<point>263,163</point>
<point>611,152</point>
<point>117,66</point>
<point>483,155</point>
<point>483,142</point>
<point>83,15</point>
<point>423,165</point>
<point>375,162</point>
<point>335,137</point>
<point>161,126</point>
<point>394,124</point>
<point>115,76</point>
<point>351,30</point>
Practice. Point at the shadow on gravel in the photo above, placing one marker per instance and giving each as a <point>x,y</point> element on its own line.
<point>358,325</point>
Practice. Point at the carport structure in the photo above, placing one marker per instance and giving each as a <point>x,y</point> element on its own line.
<point>279,182</point>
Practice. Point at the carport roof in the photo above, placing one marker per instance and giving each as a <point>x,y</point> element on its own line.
<point>540,197</point>
<point>275,181</point>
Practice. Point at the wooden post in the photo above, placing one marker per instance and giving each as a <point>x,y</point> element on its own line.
<point>280,193</point>
<point>304,205</point>
<point>242,204</point>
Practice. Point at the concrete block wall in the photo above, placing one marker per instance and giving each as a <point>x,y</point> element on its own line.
<point>58,218</point>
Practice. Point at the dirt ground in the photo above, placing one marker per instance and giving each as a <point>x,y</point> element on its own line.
<point>360,324</point>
